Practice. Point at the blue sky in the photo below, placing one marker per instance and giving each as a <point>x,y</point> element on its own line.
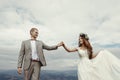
<point>58,20</point>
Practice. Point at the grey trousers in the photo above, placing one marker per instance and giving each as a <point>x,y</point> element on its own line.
<point>34,71</point>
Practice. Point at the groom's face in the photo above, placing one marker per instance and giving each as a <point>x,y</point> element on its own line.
<point>34,33</point>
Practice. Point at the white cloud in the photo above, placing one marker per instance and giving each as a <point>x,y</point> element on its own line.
<point>59,20</point>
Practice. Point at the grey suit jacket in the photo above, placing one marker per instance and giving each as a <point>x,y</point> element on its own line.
<point>25,53</point>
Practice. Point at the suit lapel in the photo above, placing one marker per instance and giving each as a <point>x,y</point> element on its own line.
<point>29,45</point>
<point>36,43</point>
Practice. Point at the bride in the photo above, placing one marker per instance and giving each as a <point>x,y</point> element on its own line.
<point>101,66</point>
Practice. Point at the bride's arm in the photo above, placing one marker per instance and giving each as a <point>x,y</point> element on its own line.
<point>95,54</point>
<point>69,49</point>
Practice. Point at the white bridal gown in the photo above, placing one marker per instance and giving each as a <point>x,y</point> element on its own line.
<point>105,66</point>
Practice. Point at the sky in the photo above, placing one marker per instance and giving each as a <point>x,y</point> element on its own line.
<point>58,20</point>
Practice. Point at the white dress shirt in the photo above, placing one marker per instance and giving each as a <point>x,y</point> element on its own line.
<point>34,50</point>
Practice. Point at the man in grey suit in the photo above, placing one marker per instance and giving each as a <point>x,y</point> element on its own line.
<point>31,56</point>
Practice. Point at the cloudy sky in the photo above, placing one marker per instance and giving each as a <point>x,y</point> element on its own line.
<point>58,20</point>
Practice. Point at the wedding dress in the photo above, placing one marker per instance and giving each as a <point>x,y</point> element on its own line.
<point>105,66</point>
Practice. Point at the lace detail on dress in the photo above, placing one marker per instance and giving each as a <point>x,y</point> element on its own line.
<point>104,67</point>
<point>82,53</point>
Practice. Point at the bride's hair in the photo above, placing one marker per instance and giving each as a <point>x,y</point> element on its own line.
<point>86,43</point>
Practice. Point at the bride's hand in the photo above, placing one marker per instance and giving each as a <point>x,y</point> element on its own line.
<point>68,49</point>
<point>62,43</point>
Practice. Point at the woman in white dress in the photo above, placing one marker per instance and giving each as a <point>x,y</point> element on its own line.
<point>102,66</point>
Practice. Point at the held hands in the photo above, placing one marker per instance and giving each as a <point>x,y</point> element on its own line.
<point>60,44</point>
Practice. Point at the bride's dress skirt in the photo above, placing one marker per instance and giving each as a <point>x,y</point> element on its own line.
<point>105,66</point>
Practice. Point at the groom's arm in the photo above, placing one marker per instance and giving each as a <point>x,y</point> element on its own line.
<point>20,58</point>
<point>21,55</point>
<point>49,47</point>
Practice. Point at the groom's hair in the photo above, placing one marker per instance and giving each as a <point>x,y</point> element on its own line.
<point>32,29</point>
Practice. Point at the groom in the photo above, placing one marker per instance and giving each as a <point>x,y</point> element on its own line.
<point>31,56</point>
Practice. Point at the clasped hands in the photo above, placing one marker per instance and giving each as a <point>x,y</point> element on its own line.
<point>60,44</point>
